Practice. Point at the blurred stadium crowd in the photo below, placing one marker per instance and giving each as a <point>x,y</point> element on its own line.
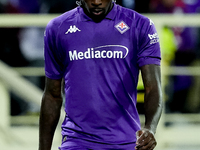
<point>180,47</point>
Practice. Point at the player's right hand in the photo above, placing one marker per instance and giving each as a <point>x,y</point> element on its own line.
<point>145,140</point>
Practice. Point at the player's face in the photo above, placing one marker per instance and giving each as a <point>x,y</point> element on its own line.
<point>97,9</point>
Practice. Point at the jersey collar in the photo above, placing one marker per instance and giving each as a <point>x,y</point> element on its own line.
<point>111,15</point>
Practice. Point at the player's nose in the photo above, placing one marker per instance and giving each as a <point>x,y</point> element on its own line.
<point>96,2</point>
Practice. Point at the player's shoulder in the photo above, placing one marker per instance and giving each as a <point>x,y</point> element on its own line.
<point>67,16</point>
<point>142,20</point>
<point>136,17</point>
<point>130,13</point>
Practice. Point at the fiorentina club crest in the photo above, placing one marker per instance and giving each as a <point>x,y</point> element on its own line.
<point>122,27</point>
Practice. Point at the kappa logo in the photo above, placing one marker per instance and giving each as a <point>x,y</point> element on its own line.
<point>151,22</point>
<point>122,27</point>
<point>72,29</point>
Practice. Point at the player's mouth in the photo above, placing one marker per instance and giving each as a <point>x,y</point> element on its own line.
<point>97,12</point>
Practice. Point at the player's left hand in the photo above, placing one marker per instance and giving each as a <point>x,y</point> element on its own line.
<point>145,140</point>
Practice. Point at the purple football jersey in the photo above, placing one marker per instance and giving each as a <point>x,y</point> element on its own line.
<point>100,65</point>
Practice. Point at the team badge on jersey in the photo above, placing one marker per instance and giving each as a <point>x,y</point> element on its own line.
<point>122,27</point>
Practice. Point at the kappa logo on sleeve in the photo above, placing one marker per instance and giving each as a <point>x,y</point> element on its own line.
<point>151,22</point>
<point>122,27</point>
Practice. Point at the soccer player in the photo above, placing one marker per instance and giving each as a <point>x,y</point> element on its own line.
<point>98,49</point>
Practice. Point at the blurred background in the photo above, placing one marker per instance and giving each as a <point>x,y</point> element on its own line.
<point>22,24</point>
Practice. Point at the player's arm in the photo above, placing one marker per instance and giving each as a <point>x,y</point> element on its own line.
<point>152,106</point>
<point>49,113</point>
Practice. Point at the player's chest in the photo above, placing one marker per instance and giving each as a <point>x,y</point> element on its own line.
<point>113,40</point>
<point>90,34</point>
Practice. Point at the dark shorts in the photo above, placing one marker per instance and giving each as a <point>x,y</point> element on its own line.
<point>78,144</point>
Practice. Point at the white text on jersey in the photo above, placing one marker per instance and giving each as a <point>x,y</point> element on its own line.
<point>154,38</point>
<point>92,53</point>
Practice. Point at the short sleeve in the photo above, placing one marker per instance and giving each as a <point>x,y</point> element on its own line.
<point>148,44</point>
<point>52,55</point>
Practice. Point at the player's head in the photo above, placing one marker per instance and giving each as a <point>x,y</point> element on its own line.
<point>97,9</point>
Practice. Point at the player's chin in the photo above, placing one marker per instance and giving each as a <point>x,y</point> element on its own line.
<point>98,18</point>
